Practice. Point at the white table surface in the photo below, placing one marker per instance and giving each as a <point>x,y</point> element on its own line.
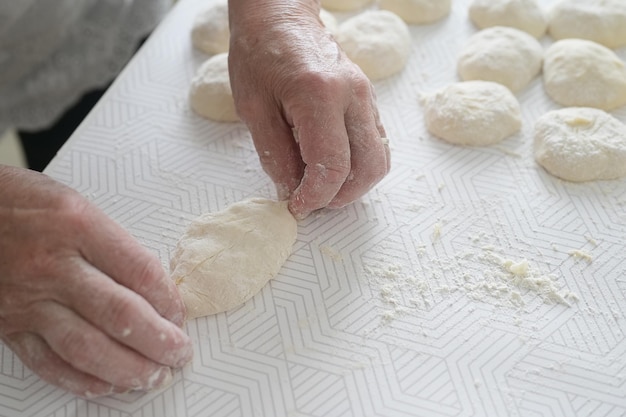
<point>397,305</point>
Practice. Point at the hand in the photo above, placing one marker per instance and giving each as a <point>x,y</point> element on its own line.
<point>311,111</point>
<point>82,303</point>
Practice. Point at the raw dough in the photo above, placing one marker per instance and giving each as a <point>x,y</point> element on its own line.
<point>582,73</point>
<point>524,15</point>
<point>581,144</point>
<point>602,21</point>
<point>210,94</point>
<point>418,11</point>
<point>225,258</point>
<point>378,41</point>
<point>345,5</point>
<point>329,21</point>
<point>472,113</point>
<point>504,55</point>
<point>210,32</point>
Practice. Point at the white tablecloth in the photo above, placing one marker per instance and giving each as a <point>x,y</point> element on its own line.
<point>398,305</point>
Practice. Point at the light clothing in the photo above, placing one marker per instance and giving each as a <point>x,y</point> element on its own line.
<point>53,51</point>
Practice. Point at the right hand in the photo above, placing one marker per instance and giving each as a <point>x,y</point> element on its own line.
<point>82,303</point>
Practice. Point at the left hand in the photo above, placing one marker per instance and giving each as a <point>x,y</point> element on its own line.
<point>311,111</point>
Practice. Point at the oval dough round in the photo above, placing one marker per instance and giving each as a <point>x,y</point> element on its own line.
<point>474,113</point>
<point>210,94</point>
<point>418,11</point>
<point>504,55</point>
<point>225,258</point>
<point>210,32</point>
<point>601,21</point>
<point>524,15</point>
<point>378,41</point>
<point>581,144</point>
<point>581,73</point>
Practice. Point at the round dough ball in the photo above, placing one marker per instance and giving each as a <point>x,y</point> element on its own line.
<point>524,15</point>
<point>210,32</point>
<point>225,258</point>
<point>581,144</point>
<point>345,5</point>
<point>503,55</point>
<point>581,73</point>
<point>601,21</point>
<point>378,41</point>
<point>329,21</point>
<point>474,113</point>
<point>417,11</point>
<point>210,94</point>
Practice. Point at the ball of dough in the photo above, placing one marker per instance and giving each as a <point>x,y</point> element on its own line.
<point>601,21</point>
<point>503,55</point>
<point>210,94</point>
<point>417,11</point>
<point>524,15</point>
<point>378,41</point>
<point>345,5</point>
<point>210,32</point>
<point>225,258</point>
<point>581,73</point>
<point>581,144</point>
<point>474,113</point>
<point>329,21</point>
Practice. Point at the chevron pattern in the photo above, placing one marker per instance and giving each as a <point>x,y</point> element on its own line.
<point>403,303</point>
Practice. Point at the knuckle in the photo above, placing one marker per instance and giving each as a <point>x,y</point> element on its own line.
<point>148,275</point>
<point>120,310</point>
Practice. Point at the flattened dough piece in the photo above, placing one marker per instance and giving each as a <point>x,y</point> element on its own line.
<point>210,94</point>
<point>581,73</point>
<point>225,258</point>
<point>524,15</point>
<point>210,32</point>
<point>581,144</point>
<point>378,41</point>
<point>601,21</point>
<point>503,55</point>
<point>474,113</point>
<point>418,11</point>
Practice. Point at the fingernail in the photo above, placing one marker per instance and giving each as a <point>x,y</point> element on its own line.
<point>159,379</point>
<point>184,355</point>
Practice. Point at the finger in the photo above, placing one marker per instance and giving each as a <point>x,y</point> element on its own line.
<point>112,250</point>
<point>369,152</point>
<point>381,128</point>
<point>37,356</point>
<point>92,352</point>
<point>277,147</point>
<point>126,317</point>
<point>325,150</point>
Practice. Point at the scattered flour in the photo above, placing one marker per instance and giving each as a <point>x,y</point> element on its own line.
<point>481,274</point>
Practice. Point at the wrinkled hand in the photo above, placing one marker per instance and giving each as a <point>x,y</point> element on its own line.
<point>82,303</point>
<point>311,111</point>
